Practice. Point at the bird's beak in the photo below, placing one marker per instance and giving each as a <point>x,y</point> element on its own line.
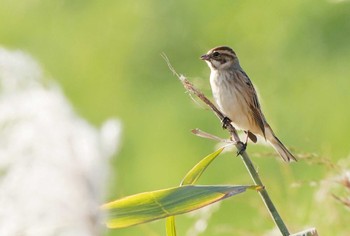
<point>205,57</point>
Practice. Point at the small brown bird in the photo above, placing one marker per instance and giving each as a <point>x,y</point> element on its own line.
<point>236,97</point>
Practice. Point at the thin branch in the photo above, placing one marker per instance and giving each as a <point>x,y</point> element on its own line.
<point>202,134</point>
<point>166,59</point>
<point>344,201</point>
<point>233,133</point>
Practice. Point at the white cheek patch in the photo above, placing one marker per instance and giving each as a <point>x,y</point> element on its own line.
<point>226,65</point>
<point>216,64</point>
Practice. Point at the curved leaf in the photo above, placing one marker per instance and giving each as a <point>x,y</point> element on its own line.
<point>149,206</point>
<point>193,175</point>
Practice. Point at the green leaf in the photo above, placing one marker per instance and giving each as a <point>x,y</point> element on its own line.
<point>170,226</point>
<point>193,175</point>
<point>149,206</point>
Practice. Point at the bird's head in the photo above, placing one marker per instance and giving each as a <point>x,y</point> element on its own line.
<point>220,58</point>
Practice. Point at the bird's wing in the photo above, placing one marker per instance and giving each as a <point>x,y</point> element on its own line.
<point>252,98</point>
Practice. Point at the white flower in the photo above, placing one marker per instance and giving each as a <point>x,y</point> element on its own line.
<point>53,163</point>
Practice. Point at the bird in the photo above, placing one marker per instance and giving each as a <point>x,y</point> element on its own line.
<point>237,99</point>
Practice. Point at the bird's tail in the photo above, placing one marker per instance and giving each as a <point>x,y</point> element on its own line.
<point>282,150</point>
<point>279,147</point>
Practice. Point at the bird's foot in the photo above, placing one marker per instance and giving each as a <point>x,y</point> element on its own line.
<point>242,147</point>
<point>225,122</point>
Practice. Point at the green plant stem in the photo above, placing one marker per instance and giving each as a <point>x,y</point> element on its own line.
<point>234,136</point>
<point>248,163</point>
<point>263,193</point>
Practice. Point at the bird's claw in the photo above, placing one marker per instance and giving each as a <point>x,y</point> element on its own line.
<point>226,122</point>
<point>243,147</point>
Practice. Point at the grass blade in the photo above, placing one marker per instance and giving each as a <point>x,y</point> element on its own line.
<point>170,226</point>
<point>149,206</point>
<point>193,175</point>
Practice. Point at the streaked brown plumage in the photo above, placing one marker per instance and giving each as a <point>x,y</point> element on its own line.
<point>236,97</point>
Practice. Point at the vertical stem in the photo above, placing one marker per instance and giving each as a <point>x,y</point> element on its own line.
<point>249,165</point>
<point>263,193</point>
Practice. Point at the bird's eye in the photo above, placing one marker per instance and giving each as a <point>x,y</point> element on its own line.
<point>216,54</point>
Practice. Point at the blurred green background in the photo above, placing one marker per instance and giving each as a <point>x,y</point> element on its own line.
<point>106,56</point>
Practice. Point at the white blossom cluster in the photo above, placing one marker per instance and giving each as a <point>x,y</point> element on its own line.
<point>53,164</point>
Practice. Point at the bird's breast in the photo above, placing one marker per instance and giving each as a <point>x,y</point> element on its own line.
<point>227,94</point>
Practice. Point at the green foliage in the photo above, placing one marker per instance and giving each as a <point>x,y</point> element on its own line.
<point>193,175</point>
<point>170,226</point>
<point>149,206</point>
